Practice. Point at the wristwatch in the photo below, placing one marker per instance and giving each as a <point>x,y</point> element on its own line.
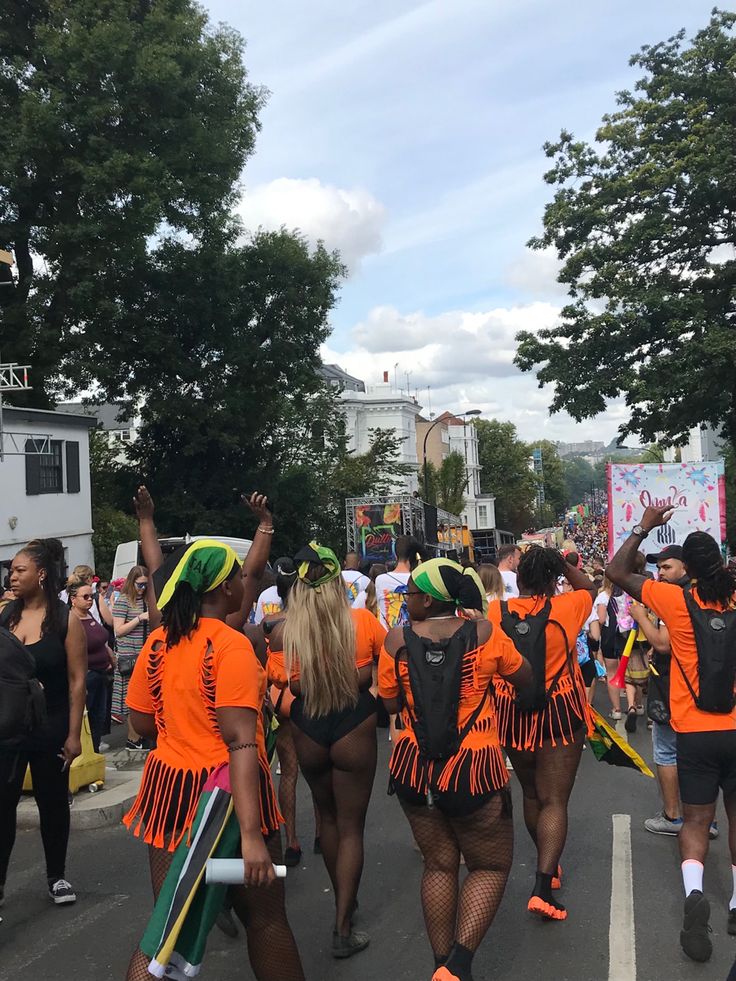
<point>639,532</point>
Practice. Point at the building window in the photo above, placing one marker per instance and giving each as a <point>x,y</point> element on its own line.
<point>482,516</point>
<point>73,485</point>
<point>44,471</point>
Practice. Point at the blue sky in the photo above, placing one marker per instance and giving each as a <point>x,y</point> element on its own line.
<point>409,136</point>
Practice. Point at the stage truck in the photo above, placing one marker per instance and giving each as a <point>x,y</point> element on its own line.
<point>374,524</point>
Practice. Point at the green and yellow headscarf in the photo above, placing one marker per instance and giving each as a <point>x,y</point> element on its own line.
<point>448,582</point>
<point>314,553</point>
<point>204,565</point>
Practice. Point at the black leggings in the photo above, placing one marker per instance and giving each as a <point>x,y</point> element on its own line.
<point>51,790</point>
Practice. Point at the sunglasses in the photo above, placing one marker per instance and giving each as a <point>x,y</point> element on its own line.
<point>141,585</point>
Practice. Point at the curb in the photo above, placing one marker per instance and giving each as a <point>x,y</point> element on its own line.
<point>90,811</point>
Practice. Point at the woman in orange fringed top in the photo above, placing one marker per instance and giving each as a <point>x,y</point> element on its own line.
<point>544,736</point>
<point>447,768</point>
<point>198,688</point>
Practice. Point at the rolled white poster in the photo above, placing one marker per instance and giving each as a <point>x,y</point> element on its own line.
<point>231,872</point>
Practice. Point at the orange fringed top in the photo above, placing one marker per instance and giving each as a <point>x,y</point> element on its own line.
<point>480,747</point>
<point>567,704</point>
<point>182,687</point>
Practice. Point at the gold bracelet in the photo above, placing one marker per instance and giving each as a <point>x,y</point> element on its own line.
<point>265,531</point>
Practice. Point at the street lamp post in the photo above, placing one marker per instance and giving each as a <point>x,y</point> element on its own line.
<point>463,415</point>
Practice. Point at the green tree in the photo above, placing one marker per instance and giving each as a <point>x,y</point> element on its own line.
<point>553,479</point>
<point>646,225</point>
<point>112,488</point>
<point>121,121</point>
<point>580,479</point>
<point>506,473</point>
<point>448,483</point>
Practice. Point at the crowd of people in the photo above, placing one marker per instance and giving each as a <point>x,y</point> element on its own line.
<point>481,674</point>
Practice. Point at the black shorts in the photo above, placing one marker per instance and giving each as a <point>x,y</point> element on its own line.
<point>588,671</point>
<point>706,761</point>
<point>452,803</point>
<point>327,729</point>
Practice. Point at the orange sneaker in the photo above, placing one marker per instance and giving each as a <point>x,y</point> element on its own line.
<point>539,907</point>
<point>557,879</point>
<point>443,974</point>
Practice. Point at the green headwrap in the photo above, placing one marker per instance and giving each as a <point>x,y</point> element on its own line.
<point>314,553</point>
<point>205,565</point>
<point>448,582</point>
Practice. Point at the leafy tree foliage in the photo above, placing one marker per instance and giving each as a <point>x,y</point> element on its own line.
<point>121,121</point>
<point>645,225</point>
<point>505,473</point>
<point>448,483</point>
<point>112,489</point>
<point>581,477</point>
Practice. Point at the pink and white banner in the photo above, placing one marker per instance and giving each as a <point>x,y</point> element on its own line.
<point>697,489</point>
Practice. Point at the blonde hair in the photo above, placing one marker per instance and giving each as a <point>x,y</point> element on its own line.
<point>371,600</point>
<point>319,634</point>
<point>492,581</point>
<point>82,572</point>
<point>129,589</point>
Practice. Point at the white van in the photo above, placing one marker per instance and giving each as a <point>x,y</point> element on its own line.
<point>128,554</point>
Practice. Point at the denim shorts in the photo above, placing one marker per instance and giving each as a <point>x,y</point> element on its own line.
<point>664,743</point>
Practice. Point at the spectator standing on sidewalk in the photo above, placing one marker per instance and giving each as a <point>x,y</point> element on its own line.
<point>131,629</point>
<point>100,659</point>
<point>701,622</point>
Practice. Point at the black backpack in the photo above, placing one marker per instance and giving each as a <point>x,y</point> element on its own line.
<point>435,678</point>
<point>22,700</point>
<point>529,637</point>
<point>715,639</point>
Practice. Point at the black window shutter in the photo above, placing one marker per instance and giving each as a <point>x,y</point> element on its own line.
<point>72,468</point>
<point>33,468</point>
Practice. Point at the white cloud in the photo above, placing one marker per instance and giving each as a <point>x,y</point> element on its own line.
<point>534,274</point>
<point>459,360</point>
<point>349,220</point>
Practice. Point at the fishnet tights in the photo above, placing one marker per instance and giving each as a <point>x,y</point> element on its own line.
<point>486,840</point>
<point>287,781</point>
<point>272,950</point>
<point>547,777</point>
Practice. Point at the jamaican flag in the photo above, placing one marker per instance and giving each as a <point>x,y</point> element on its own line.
<point>609,747</point>
<point>187,907</point>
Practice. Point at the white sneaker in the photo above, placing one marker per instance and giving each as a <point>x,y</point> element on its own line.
<point>61,892</point>
<point>616,716</point>
<point>104,747</point>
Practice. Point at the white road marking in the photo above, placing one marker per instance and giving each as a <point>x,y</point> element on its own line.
<point>75,924</point>
<point>621,931</point>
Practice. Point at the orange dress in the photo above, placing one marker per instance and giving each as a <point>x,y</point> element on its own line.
<point>567,707</point>
<point>183,687</point>
<point>478,767</point>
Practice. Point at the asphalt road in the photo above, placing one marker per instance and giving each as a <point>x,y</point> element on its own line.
<point>92,940</point>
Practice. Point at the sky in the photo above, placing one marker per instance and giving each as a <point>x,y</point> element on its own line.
<point>409,137</point>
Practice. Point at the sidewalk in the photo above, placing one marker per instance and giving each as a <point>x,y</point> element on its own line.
<point>105,807</point>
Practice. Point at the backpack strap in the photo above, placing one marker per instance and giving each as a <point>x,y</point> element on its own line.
<point>567,662</point>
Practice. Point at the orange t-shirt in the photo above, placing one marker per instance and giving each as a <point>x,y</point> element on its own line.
<point>668,602</point>
<point>570,610</point>
<point>184,685</point>
<point>369,636</point>
<point>497,655</point>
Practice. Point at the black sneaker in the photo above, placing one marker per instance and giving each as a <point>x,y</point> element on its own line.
<point>61,892</point>
<point>133,746</point>
<point>731,921</point>
<point>631,719</point>
<point>347,946</point>
<point>292,857</point>
<point>695,934</point>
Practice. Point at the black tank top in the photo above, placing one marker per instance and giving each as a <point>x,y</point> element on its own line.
<point>51,667</point>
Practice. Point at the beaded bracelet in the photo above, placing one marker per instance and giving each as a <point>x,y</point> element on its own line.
<point>234,749</point>
<point>265,531</point>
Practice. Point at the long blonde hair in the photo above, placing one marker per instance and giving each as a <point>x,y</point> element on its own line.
<point>492,581</point>
<point>319,637</point>
<point>129,589</point>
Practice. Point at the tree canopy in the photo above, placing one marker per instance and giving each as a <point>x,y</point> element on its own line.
<point>505,473</point>
<point>122,123</point>
<point>644,223</point>
<point>447,483</point>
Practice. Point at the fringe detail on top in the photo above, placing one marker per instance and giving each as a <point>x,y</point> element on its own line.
<point>527,731</point>
<point>478,767</point>
<point>163,812</point>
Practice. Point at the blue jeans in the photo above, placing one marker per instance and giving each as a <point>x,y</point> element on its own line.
<point>664,744</point>
<point>97,705</point>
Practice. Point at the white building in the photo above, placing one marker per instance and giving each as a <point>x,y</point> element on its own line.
<point>704,446</point>
<point>120,432</point>
<point>380,407</point>
<point>480,509</point>
<point>48,494</point>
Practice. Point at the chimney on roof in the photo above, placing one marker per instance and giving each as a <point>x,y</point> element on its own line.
<point>385,378</point>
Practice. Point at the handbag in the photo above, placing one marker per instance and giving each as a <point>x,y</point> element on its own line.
<point>126,662</point>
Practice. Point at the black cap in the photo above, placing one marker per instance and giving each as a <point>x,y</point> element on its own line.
<point>671,552</point>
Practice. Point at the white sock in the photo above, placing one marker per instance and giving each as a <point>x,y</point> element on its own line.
<point>692,875</point>
<point>732,904</point>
